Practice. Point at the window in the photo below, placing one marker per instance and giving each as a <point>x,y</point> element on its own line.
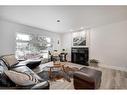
<point>23,37</point>
<point>32,46</point>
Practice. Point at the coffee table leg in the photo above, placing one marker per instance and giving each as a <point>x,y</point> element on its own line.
<point>50,73</point>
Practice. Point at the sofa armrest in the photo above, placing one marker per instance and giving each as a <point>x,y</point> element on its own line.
<point>28,83</point>
<point>42,85</point>
<point>83,76</point>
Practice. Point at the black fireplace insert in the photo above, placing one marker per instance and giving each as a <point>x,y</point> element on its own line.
<point>80,55</point>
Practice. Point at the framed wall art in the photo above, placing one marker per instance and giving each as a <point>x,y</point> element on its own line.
<point>79,38</point>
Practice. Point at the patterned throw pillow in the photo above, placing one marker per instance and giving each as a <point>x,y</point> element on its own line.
<point>21,79</point>
<point>25,69</point>
<point>10,60</point>
<point>3,65</point>
<point>4,80</point>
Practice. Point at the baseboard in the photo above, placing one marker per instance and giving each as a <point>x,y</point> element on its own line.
<point>113,67</point>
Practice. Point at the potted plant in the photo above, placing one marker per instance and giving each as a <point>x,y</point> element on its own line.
<point>94,62</point>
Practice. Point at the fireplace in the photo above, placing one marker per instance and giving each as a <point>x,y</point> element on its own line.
<point>80,55</point>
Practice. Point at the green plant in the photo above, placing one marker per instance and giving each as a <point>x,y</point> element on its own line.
<point>94,61</point>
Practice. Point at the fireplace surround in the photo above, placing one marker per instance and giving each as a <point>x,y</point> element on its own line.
<point>80,55</point>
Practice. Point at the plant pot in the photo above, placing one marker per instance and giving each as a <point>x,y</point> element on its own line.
<point>93,64</point>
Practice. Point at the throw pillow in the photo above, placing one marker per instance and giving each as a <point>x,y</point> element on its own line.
<point>25,69</point>
<point>10,59</point>
<point>21,79</point>
<point>4,79</point>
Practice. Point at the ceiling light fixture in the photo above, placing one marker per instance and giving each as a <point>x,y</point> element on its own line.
<point>58,20</point>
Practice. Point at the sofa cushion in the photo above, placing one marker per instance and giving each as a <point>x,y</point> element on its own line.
<point>33,63</point>
<point>3,66</point>
<point>25,69</point>
<point>10,60</point>
<point>4,79</point>
<point>21,79</point>
<point>41,85</point>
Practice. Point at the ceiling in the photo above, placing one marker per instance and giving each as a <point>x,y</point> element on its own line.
<point>71,17</point>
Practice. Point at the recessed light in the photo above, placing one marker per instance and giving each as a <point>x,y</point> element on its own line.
<point>58,20</point>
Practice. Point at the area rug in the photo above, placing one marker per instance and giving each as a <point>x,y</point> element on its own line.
<point>65,75</point>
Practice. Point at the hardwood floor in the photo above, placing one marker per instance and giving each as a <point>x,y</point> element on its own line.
<point>111,79</point>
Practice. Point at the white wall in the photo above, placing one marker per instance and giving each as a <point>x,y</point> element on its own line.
<point>8,31</point>
<point>66,39</point>
<point>109,44</point>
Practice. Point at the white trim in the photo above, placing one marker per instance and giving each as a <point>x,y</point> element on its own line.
<point>113,67</point>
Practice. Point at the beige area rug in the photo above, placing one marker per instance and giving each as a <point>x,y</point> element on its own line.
<point>111,78</point>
